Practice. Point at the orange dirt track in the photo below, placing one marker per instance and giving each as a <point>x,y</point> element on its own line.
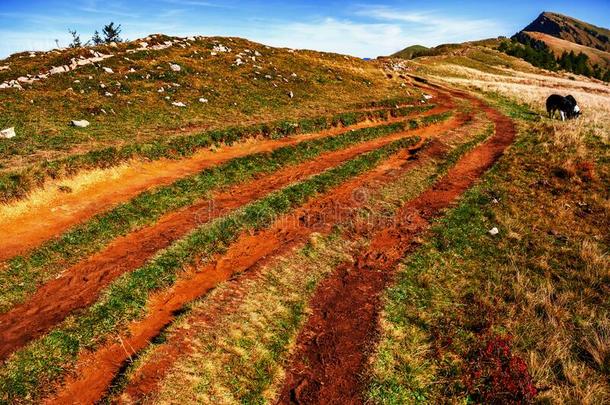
<point>330,355</point>
<point>96,370</point>
<point>80,285</point>
<point>43,221</point>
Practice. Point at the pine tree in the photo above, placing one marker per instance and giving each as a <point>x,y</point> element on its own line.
<point>111,33</point>
<point>76,42</point>
<point>96,39</point>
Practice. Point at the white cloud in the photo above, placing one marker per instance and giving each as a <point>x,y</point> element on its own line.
<point>332,35</point>
<point>431,28</point>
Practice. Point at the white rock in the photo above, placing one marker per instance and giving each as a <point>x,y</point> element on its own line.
<point>220,48</point>
<point>178,104</point>
<point>107,70</point>
<point>56,70</point>
<point>8,133</point>
<point>108,94</point>
<point>238,62</point>
<point>4,67</point>
<point>257,53</point>
<point>203,100</point>
<point>80,123</point>
<point>113,45</point>
<point>494,231</point>
<point>144,45</point>
<point>294,75</point>
<point>175,67</point>
<point>427,96</point>
<point>161,90</point>
<point>291,95</point>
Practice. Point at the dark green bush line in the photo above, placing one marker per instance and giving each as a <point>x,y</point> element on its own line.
<point>45,360</point>
<point>17,184</point>
<point>25,273</point>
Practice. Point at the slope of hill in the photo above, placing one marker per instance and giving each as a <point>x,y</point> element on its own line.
<point>411,52</point>
<point>558,46</point>
<point>572,30</point>
<point>162,86</point>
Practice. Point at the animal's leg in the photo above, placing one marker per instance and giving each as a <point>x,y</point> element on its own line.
<point>563,115</point>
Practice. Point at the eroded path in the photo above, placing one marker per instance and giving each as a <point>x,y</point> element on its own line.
<point>49,213</point>
<point>330,354</point>
<point>330,349</point>
<point>80,285</point>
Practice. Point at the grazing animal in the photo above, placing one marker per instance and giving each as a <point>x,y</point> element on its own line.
<point>576,109</point>
<point>566,106</point>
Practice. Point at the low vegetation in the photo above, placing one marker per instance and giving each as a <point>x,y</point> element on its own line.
<point>516,316</point>
<point>43,361</point>
<point>22,275</point>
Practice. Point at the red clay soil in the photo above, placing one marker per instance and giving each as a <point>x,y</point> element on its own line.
<point>80,285</point>
<point>331,352</point>
<point>146,379</point>
<point>45,220</point>
<point>96,370</point>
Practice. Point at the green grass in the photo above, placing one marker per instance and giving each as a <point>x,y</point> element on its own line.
<point>17,184</point>
<point>43,361</point>
<point>538,283</point>
<point>25,273</point>
<point>246,366</point>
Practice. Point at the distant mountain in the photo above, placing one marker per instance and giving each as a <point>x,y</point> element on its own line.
<point>571,30</point>
<point>411,52</point>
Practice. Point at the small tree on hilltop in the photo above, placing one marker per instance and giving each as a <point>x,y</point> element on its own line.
<point>111,33</point>
<point>96,39</point>
<point>76,42</point>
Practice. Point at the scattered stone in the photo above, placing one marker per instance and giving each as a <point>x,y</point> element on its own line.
<point>8,133</point>
<point>178,104</point>
<point>174,67</point>
<point>108,94</point>
<point>113,45</point>
<point>161,90</point>
<point>291,95</point>
<point>239,62</point>
<point>203,100</point>
<point>107,70</point>
<point>80,123</point>
<point>293,75</point>
<point>218,48</point>
<point>427,96</point>
<point>4,67</point>
<point>494,231</point>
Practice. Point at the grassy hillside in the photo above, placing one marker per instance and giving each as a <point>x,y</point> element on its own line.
<point>559,46</point>
<point>172,86</point>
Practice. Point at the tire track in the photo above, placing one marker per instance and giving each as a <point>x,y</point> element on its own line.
<point>144,382</point>
<point>96,370</point>
<point>40,221</point>
<point>331,351</point>
<point>80,285</point>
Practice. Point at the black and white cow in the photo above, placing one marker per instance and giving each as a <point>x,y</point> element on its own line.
<point>567,106</point>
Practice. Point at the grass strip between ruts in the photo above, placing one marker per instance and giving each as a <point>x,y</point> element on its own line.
<point>25,273</point>
<point>17,184</point>
<point>32,368</point>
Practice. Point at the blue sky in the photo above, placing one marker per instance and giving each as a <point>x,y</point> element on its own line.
<point>359,28</point>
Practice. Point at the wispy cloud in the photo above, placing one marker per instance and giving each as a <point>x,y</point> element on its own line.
<point>334,35</point>
<point>432,27</point>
